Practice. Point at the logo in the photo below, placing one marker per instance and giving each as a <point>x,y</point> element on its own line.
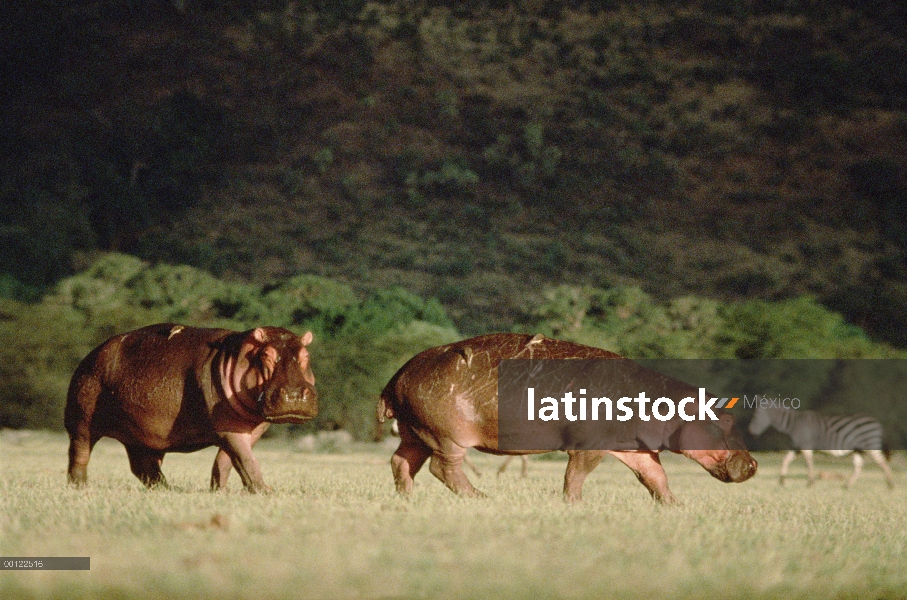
<point>663,408</point>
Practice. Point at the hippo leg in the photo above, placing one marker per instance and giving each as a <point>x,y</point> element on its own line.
<point>650,473</point>
<point>408,459</point>
<point>469,464</point>
<point>80,447</point>
<point>238,447</point>
<point>146,465</point>
<point>447,466</point>
<point>220,471</point>
<point>580,464</point>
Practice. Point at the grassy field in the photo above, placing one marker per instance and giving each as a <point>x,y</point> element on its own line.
<point>333,528</point>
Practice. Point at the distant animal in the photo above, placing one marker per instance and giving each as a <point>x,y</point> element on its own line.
<point>524,470</point>
<point>431,394</point>
<point>838,435</point>
<point>170,388</point>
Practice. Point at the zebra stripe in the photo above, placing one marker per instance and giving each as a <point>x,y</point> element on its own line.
<point>810,430</point>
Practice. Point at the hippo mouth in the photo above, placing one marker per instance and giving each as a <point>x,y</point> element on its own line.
<point>284,419</point>
<point>283,407</point>
<point>736,469</point>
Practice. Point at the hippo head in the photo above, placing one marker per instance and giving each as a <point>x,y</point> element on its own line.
<point>278,375</point>
<point>718,447</point>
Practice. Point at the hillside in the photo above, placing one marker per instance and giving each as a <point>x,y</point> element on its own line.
<point>476,152</point>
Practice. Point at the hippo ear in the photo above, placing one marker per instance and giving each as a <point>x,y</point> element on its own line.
<point>726,422</point>
<point>258,334</point>
<point>306,338</point>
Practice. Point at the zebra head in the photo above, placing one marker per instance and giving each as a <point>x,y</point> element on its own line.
<point>762,420</point>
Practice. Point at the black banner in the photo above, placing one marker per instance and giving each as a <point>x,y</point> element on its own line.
<point>811,404</point>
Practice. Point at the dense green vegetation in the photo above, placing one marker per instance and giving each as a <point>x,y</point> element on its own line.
<point>477,152</point>
<point>362,340</point>
<point>333,528</point>
<point>359,342</point>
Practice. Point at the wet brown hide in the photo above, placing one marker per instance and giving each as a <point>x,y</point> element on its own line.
<point>445,401</point>
<point>170,388</point>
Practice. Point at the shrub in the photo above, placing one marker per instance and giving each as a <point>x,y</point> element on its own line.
<point>628,321</point>
<point>359,343</point>
<point>453,177</point>
<point>797,328</point>
<point>528,160</point>
<point>353,369</point>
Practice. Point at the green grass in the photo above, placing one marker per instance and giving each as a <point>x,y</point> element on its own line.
<point>334,528</point>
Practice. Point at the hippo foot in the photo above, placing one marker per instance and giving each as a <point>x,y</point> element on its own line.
<point>667,501</point>
<point>160,484</point>
<point>473,494</point>
<point>78,481</point>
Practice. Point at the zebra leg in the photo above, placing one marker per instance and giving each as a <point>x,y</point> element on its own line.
<point>879,459</point>
<point>857,469</point>
<point>504,464</point>
<point>808,455</point>
<point>788,458</point>
<point>469,464</point>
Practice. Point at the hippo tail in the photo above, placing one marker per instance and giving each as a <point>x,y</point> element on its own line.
<point>383,411</point>
<point>385,408</point>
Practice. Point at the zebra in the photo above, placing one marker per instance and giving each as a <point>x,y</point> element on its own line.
<point>838,435</point>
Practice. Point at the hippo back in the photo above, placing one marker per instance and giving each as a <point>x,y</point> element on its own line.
<point>452,390</point>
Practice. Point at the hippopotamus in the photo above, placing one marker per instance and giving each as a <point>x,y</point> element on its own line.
<point>445,400</point>
<point>170,388</point>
